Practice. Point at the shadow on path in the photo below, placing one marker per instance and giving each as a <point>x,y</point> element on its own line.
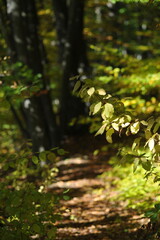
<point>88,215</point>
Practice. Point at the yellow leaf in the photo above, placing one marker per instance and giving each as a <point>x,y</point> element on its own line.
<point>108,110</point>
<point>151,144</point>
<point>97,107</point>
<point>109,135</point>
<point>101,130</point>
<point>135,127</point>
<point>90,91</point>
<point>101,92</point>
<point>115,126</point>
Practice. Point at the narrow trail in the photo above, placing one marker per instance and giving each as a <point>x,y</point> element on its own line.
<point>88,215</point>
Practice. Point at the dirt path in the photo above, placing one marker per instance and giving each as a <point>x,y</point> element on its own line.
<point>88,215</point>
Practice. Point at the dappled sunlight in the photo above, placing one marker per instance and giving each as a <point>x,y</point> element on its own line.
<point>76,183</point>
<point>88,214</point>
<point>79,120</point>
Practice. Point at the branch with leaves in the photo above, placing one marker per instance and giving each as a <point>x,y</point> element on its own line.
<point>115,118</point>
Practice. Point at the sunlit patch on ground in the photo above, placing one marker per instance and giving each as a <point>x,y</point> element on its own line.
<point>87,214</point>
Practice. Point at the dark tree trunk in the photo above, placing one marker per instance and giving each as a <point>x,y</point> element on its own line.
<point>7,30</point>
<point>61,14</point>
<point>69,21</point>
<point>26,47</point>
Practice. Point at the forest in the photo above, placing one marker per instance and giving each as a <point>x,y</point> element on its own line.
<point>79,119</point>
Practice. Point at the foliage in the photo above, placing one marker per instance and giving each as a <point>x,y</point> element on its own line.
<point>124,100</point>
<point>17,80</point>
<point>25,212</point>
<point>26,208</point>
<point>116,117</point>
<point>132,188</point>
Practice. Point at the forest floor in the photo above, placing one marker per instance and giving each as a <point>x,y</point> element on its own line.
<point>88,215</point>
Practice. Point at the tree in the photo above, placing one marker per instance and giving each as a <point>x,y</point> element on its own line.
<point>25,46</point>
<point>72,53</point>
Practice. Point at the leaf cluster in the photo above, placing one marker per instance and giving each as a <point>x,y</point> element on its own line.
<point>115,118</point>
<point>27,209</point>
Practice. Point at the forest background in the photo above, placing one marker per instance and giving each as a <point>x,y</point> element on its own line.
<point>107,53</point>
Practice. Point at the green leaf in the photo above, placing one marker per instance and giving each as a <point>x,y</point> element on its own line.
<point>74,78</point>
<point>91,108</point>
<point>66,191</point>
<point>157,179</point>
<point>76,86</point>
<point>144,123</point>
<point>156,127</point>
<point>135,127</point>
<point>82,92</point>
<point>128,158</point>
<point>157,148</point>
<point>61,151</point>
<point>128,132</point>
<point>90,91</point>
<point>36,228</point>
<point>148,134</point>
<point>128,118</point>
<point>109,135</point>
<point>158,119</point>
<point>115,126</point>
<point>96,152</point>
<point>136,143</point>
<point>150,123</point>
<point>55,148</point>
<point>147,165</point>
<point>108,110</point>
<point>97,107</point>
<point>65,197</point>
<point>42,156</point>
<point>101,130</point>
<point>51,156</point>
<point>35,160</point>
<point>135,164</point>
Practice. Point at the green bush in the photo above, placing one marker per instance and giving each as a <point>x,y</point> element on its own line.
<point>118,115</point>
<point>133,188</point>
<point>27,209</point>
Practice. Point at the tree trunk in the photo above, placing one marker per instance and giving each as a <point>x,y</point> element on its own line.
<point>69,21</point>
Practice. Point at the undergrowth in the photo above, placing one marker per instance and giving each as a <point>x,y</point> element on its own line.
<point>133,188</point>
